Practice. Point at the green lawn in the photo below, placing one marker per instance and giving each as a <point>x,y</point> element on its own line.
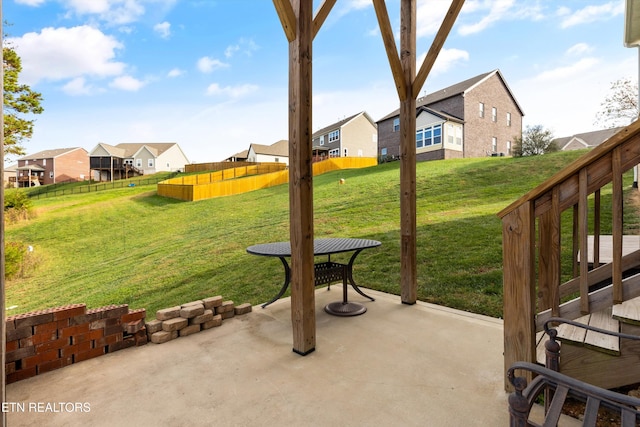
<point>130,246</point>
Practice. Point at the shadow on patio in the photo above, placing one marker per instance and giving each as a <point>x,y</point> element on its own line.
<point>394,365</point>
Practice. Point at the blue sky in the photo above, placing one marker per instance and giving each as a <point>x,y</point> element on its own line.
<point>212,75</point>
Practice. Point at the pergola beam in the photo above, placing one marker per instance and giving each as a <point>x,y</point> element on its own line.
<point>287,18</point>
<point>321,15</point>
<point>436,46</point>
<point>390,46</point>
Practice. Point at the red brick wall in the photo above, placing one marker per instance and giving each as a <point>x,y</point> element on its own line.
<point>45,340</point>
<point>72,166</point>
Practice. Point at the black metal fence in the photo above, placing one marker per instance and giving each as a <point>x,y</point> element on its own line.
<point>54,190</point>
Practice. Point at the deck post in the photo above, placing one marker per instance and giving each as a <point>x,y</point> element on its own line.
<point>518,252</point>
<point>408,245</point>
<point>303,315</point>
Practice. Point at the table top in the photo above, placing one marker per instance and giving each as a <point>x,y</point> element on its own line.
<point>320,247</point>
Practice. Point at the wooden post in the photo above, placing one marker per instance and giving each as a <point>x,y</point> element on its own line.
<point>3,312</point>
<point>408,249</point>
<point>518,254</point>
<point>303,315</point>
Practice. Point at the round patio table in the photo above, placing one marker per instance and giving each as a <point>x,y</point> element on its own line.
<point>325,272</point>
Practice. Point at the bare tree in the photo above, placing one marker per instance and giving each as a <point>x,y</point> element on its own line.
<point>535,141</point>
<point>620,107</point>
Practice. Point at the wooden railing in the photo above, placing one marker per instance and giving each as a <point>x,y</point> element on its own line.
<point>533,251</point>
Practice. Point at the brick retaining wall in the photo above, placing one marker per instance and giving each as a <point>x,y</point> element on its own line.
<point>42,341</point>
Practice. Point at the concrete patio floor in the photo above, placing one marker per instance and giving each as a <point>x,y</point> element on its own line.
<point>395,365</point>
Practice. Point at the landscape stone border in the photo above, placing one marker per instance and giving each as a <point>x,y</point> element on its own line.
<point>41,341</point>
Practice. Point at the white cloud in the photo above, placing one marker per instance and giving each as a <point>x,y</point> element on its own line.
<point>593,13</point>
<point>429,15</point>
<point>578,49</point>
<point>31,2</point>
<point>163,29</point>
<point>127,83</point>
<point>246,46</point>
<point>497,10</point>
<point>63,53</point>
<point>447,58</point>
<point>566,72</point>
<point>77,86</point>
<point>231,91</point>
<point>176,72</point>
<point>208,65</point>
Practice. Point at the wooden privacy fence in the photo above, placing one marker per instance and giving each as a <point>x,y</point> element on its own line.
<point>215,166</point>
<point>247,178</point>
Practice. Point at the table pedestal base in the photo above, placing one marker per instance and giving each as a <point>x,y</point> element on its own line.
<point>345,309</point>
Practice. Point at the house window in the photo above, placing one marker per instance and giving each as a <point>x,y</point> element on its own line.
<point>44,162</point>
<point>334,153</point>
<point>508,119</point>
<point>396,124</point>
<point>345,152</point>
<point>51,174</point>
<point>383,152</point>
<point>494,144</point>
<point>277,160</point>
<point>429,136</point>
<point>138,163</point>
<point>508,148</point>
<point>150,163</point>
<point>481,109</point>
<point>167,165</point>
<point>450,134</point>
<point>334,136</point>
<point>459,135</point>
<point>494,114</point>
<point>321,139</point>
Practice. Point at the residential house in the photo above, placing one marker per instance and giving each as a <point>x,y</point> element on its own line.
<point>53,166</point>
<point>354,136</point>
<point>277,152</point>
<point>474,118</point>
<point>122,161</point>
<point>585,140</point>
<point>238,157</point>
<point>10,176</point>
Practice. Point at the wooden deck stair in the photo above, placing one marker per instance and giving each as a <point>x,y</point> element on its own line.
<point>584,352</point>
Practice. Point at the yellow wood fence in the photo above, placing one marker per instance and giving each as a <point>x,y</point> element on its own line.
<point>228,182</point>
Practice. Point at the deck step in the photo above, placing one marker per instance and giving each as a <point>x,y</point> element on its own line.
<point>628,311</point>
<point>597,341</point>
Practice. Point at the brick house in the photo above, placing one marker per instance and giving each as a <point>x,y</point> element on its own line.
<point>53,166</point>
<point>354,136</point>
<point>474,118</point>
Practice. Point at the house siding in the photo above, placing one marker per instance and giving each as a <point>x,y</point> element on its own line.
<point>479,131</point>
<point>360,138</point>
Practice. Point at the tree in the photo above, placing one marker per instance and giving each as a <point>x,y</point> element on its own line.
<point>535,141</point>
<point>620,107</point>
<point>19,100</point>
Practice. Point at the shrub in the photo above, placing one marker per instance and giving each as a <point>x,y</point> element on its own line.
<point>14,258</point>
<point>17,206</point>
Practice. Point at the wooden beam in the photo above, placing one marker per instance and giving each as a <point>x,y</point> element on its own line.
<point>321,15</point>
<point>436,46</point>
<point>390,46</point>
<point>287,18</point>
<point>616,224</point>
<point>3,312</point>
<point>408,246</point>
<point>303,316</point>
<point>583,230</point>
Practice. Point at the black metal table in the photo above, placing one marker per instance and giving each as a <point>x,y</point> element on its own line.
<point>325,272</point>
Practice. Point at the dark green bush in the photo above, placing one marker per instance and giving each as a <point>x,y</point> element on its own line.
<point>17,206</point>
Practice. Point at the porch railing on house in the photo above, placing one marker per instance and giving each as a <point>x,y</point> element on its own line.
<point>535,252</point>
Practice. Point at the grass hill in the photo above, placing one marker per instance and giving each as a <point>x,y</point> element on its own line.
<point>131,246</point>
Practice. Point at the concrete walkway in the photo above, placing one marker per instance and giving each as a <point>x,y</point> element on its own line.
<point>395,365</point>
